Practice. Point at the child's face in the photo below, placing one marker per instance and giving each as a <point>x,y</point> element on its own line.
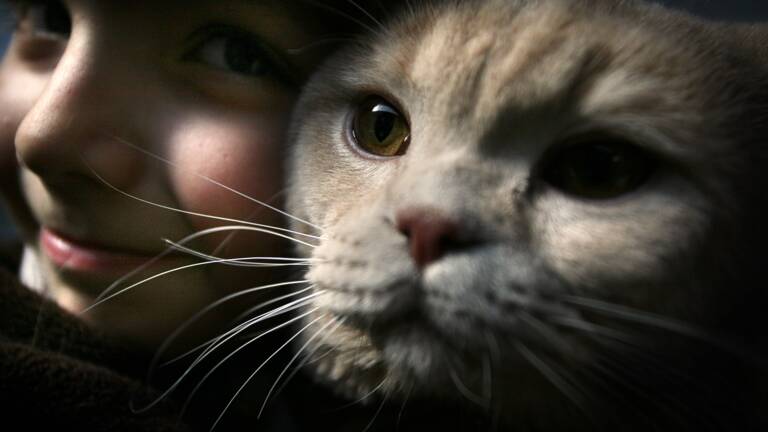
<point>90,88</point>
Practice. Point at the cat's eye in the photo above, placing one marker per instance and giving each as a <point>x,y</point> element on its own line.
<point>49,19</point>
<point>598,168</point>
<point>380,129</point>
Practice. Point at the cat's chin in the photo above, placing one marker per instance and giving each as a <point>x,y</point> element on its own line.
<point>415,351</point>
<point>408,358</point>
<point>359,362</point>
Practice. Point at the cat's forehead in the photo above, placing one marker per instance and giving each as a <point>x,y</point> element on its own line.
<point>475,62</point>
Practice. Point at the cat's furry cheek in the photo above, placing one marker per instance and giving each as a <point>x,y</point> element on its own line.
<point>632,244</point>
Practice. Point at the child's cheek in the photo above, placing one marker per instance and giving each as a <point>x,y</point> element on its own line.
<point>246,157</point>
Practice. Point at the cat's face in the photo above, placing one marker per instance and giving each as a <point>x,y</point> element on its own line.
<point>512,193</point>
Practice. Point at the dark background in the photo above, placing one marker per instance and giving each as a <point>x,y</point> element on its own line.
<point>736,10</point>
<point>739,10</point>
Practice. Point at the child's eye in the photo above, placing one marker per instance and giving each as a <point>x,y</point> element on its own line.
<point>233,51</point>
<point>48,19</point>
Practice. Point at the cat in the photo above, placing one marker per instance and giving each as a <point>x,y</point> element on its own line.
<point>549,212</point>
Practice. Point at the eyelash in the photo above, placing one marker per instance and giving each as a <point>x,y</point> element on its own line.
<point>268,64</point>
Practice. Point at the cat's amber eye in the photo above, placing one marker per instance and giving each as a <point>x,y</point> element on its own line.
<point>380,129</point>
<point>598,168</point>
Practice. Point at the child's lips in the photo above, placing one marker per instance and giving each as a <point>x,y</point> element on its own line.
<point>75,255</point>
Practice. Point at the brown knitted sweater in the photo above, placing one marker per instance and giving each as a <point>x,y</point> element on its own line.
<point>56,372</point>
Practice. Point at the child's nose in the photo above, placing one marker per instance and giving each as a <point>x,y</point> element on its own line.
<point>78,125</point>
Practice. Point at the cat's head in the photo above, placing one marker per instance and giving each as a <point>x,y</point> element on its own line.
<point>513,194</point>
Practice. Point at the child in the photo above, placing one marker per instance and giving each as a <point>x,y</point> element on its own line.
<point>109,103</point>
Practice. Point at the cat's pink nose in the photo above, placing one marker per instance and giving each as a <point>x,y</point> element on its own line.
<point>430,233</point>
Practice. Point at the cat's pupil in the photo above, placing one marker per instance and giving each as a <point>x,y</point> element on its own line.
<point>599,166</point>
<point>383,125</point>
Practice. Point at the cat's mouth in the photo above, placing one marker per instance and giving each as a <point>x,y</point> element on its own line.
<point>407,312</point>
<point>415,327</point>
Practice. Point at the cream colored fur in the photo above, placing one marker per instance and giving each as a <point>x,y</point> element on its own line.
<point>489,87</point>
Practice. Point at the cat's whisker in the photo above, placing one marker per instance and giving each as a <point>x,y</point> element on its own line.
<point>357,352</point>
<point>368,14</point>
<point>246,261</point>
<point>495,356</point>
<point>252,262</point>
<point>260,228</point>
<point>316,358</point>
<point>480,401</point>
<point>402,407</point>
<point>590,399</point>
<point>590,380</point>
<point>341,14</point>
<point>179,330</point>
<point>249,226</point>
<point>362,398</point>
<point>618,372</point>
<point>211,348</point>
<point>295,356</point>
<point>230,236</point>
<point>621,381</point>
<point>308,359</point>
<point>580,324</point>
<point>376,415</point>
<point>270,302</point>
<point>269,228</point>
<point>604,335</point>
<point>553,377</point>
<point>208,179</point>
<point>141,268</point>
<point>674,326</point>
<point>156,276</point>
<point>248,380</point>
<point>487,377</point>
<point>634,315</point>
<point>243,224</point>
<point>166,252</point>
<point>555,340</point>
<point>132,273</point>
<point>220,363</point>
<point>317,43</point>
<point>634,351</point>
<point>221,339</point>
